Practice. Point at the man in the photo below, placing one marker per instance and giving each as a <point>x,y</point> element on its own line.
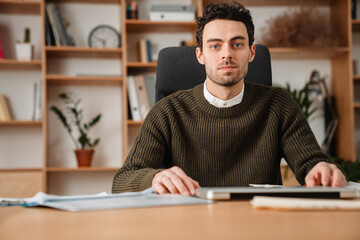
<point>224,132</point>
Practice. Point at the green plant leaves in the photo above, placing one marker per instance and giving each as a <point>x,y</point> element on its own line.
<point>75,115</point>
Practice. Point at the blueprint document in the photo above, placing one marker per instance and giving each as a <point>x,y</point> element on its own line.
<point>103,201</point>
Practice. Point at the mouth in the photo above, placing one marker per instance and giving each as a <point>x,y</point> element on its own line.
<point>227,68</point>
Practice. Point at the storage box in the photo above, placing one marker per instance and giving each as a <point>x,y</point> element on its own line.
<point>176,13</point>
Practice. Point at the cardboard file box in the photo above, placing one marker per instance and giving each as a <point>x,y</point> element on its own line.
<point>176,13</point>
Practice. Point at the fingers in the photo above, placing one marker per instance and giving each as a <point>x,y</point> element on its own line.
<point>325,174</point>
<point>175,181</point>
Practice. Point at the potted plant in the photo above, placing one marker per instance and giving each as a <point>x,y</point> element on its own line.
<point>24,50</point>
<point>84,146</point>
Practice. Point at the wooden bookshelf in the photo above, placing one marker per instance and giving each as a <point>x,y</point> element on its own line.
<point>20,7</point>
<point>21,123</point>
<point>20,169</point>
<point>134,123</point>
<point>141,65</point>
<point>84,80</point>
<point>306,53</point>
<point>89,1</point>
<point>13,64</point>
<point>159,26</point>
<point>82,52</point>
<point>340,63</point>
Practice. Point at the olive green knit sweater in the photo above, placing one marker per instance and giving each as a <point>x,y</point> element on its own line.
<point>222,146</point>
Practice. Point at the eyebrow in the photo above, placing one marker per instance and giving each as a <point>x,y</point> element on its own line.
<point>221,40</point>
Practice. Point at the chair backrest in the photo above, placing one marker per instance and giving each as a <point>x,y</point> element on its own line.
<point>179,69</point>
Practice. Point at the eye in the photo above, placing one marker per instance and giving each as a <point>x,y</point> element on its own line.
<point>215,47</point>
<point>237,45</point>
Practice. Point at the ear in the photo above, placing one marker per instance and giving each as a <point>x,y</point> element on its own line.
<point>252,53</point>
<point>199,56</point>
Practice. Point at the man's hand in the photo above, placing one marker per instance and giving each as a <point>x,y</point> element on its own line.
<point>174,180</point>
<point>326,174</point>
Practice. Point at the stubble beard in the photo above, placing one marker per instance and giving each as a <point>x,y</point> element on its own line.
<point>228,80</point>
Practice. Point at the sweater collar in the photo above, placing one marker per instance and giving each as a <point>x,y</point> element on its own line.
<point>203,104</point>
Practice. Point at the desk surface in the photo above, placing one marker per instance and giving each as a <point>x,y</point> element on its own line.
<point>222,220</point>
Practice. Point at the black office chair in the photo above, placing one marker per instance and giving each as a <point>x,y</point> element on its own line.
<point>179,69</point>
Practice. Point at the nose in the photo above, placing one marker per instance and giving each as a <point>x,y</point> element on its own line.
<point>226,52</point>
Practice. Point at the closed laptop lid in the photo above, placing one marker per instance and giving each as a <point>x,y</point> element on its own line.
<point>227,193</point>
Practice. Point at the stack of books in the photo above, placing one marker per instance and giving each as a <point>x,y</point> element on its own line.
<point>55,32</point>
<point>141,93</point>
<point>145,51</point>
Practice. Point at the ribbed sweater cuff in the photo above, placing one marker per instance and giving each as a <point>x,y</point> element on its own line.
<point>146,180</point>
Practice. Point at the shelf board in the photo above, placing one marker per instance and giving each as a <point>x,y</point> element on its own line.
<point>306,53</point>
<point>357,106</point>
<point>248,3</point>
<point>88,1</point>
<point>20,170</point>
<point>357,77</point>
<point>83,52</point>
<point>13,64</point>
<point>141,65</point>
<point>82,169</point>
<point>134,123</point>
<point>21,123</point>
<point>355,25</point>
<point>159,26</point>
<point>20,7</point>
<point>84,80</point>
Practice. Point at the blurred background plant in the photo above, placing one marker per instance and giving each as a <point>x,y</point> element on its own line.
<point>73,117</point>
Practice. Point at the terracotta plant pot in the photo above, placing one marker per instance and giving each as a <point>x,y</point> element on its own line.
<point>84,157</point>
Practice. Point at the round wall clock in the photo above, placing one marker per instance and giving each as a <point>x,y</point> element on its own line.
<point>104,36</point>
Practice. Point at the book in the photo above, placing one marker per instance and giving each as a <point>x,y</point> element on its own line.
<point>133,99</point>
<point>143,51</point>
<point>37,113</point>
<point>103,201</point>
<point>150,81</point>
<point>5,114</point>
<point>49,34</point>
<point>148,51</point>
<point>142,95</point>
<point>53,25</point>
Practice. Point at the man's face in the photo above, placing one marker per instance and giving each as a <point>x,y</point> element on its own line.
<point>226,52</point>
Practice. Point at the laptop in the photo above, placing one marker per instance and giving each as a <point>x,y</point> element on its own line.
<point>246,193</point>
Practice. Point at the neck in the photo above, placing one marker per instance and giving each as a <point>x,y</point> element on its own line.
<point>224,92</point>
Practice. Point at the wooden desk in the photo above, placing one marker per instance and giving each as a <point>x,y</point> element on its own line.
<point>222,220</point>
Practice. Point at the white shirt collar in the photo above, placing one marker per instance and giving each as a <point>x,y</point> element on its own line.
<point>217,102</point>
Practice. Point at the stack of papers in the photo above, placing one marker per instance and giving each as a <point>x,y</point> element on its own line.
<point>103,201</point>
<point>284,203</point>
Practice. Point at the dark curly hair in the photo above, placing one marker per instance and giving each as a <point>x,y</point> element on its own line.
<point>227,11</point>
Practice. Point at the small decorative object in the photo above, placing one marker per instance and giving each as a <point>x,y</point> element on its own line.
<point>84,145</point>
<point>24,50</point>
<point>305,26</point>
<point>104,36</point>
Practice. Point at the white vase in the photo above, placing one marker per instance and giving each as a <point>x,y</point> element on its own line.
<point>24,51</point>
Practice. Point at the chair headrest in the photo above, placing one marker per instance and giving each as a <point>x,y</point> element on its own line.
<point>179,69</point>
